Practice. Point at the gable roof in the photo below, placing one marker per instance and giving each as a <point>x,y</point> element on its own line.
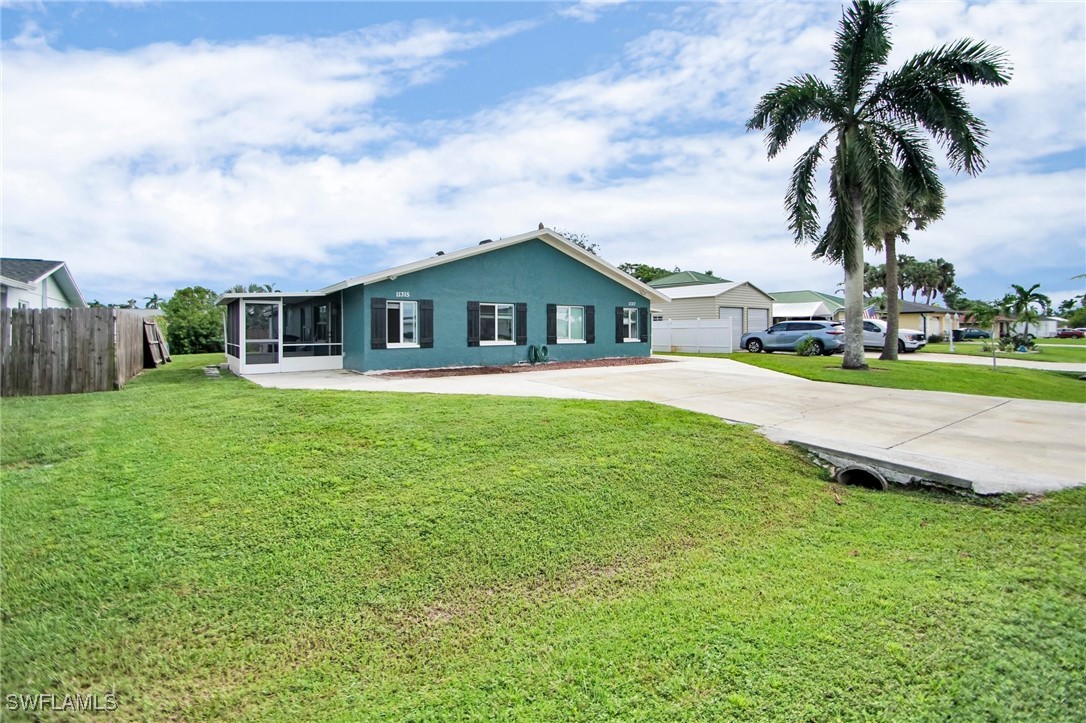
<point>28,273</point>
<point>695,291</point>
<point>685,278</point>
<point>807,295</point>
<point>547,236</point>
<point>912,307</point>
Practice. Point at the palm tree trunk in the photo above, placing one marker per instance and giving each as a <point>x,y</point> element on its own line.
<point>889,345</point>
<point>854,291</point>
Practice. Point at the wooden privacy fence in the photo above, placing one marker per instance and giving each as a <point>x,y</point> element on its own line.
<point>68,351</point>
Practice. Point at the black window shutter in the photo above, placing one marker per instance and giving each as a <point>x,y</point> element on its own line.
<point>473,323</point>
<point>643,323</point>
<point>620,333</point>
<point>426,323</point>
<point>378,321</point>
<point>590,324</point>
<point>520,322</point>
<point>552,323</point>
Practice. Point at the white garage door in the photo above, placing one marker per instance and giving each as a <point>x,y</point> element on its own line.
<point>736,315</point>
<point>757,319</point>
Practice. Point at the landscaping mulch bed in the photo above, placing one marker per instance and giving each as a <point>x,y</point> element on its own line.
<point>513,368</point>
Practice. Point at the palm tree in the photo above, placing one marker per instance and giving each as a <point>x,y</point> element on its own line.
<point>152,301</point>
<point>878,124</point>
<point>874,278</point>
<point>919,208</point>
<point>1022,305</point>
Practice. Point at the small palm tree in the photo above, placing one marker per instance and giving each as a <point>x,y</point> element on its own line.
<point>878,127</point>
<point>153,301</point>
<point>1026,305</point>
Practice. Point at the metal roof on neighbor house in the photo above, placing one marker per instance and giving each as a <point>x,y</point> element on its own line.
<point>696,291</point>
<point>807,295</point>
<point>686,278</point>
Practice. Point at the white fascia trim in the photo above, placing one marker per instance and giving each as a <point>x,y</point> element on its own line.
<point>265,295</point>
<point>17,284</point>
<point>67,284</point>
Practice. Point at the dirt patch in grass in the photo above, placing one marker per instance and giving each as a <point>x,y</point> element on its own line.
<point>525,367</point>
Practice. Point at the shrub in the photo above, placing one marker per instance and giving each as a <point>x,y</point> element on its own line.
<point>936,339</point>
<point>807,346</point>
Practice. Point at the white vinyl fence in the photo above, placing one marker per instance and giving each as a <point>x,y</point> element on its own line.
<point>701,336</point>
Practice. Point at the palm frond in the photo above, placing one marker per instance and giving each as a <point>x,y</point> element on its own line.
<point>923,194</point>
<point>782,111</point>
<point>963,62</point>
<point>873,161</point>
<point>943,112</point>
<point>836,240</point>
<point>860,48</point>
<point>800,199</point>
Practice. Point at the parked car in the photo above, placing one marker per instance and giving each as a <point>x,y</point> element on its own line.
<point>829,337</point>
<point>907,339</point>
<point>1067,333</point>
<point>968,334</point>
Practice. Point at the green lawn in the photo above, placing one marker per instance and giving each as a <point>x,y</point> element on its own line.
<point>210,549</point>
<point>1044,353</point>
<point>932,376</point>
<point>1064,342</point>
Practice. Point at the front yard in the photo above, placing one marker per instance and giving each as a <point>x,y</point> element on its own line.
<point>210,549</point>
<point>1047,350</point>
<point>931,376</point>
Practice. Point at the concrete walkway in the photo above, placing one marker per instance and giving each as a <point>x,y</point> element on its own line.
<point>1078,368</point>
<point>998,445</point>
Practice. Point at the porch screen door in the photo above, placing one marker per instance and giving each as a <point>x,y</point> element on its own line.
<point>262,333</point>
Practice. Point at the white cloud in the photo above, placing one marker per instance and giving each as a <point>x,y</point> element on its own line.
<point>222,163</point>
<point>588,11</point>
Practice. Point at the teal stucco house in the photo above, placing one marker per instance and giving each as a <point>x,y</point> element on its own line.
<point>490,304</point>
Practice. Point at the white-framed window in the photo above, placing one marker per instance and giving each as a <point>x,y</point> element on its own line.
<point>570,324</point>
<point>496,324</point>
<point>24,305</point>
<point>402,324</point>
<point>629,325</point>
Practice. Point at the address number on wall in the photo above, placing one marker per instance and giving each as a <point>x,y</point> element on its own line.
<point>403,294</point>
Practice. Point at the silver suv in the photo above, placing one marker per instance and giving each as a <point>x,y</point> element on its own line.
<point>829,337</point>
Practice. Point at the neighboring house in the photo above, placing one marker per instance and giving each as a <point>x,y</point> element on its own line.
<point>485,305</point>
<point>1044,328</point>
<point>745,304</point>
<point>806,304</point>
<point>685,278</point>
<point>928,318</point>
<point>38,284</point>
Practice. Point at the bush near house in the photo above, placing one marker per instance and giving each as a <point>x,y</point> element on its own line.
<point>194,323</point>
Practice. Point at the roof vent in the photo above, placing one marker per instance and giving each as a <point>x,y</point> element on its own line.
<point>485,241</point>
<point>440,253</point>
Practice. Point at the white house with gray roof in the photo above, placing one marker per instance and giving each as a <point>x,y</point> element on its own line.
<point>38,284</point>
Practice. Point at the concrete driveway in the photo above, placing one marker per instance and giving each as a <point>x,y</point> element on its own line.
<point>997,444</point>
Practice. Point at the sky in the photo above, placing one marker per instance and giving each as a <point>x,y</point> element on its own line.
<point>155,146</point>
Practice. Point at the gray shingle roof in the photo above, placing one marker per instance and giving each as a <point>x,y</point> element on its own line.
<point>26,270</point>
